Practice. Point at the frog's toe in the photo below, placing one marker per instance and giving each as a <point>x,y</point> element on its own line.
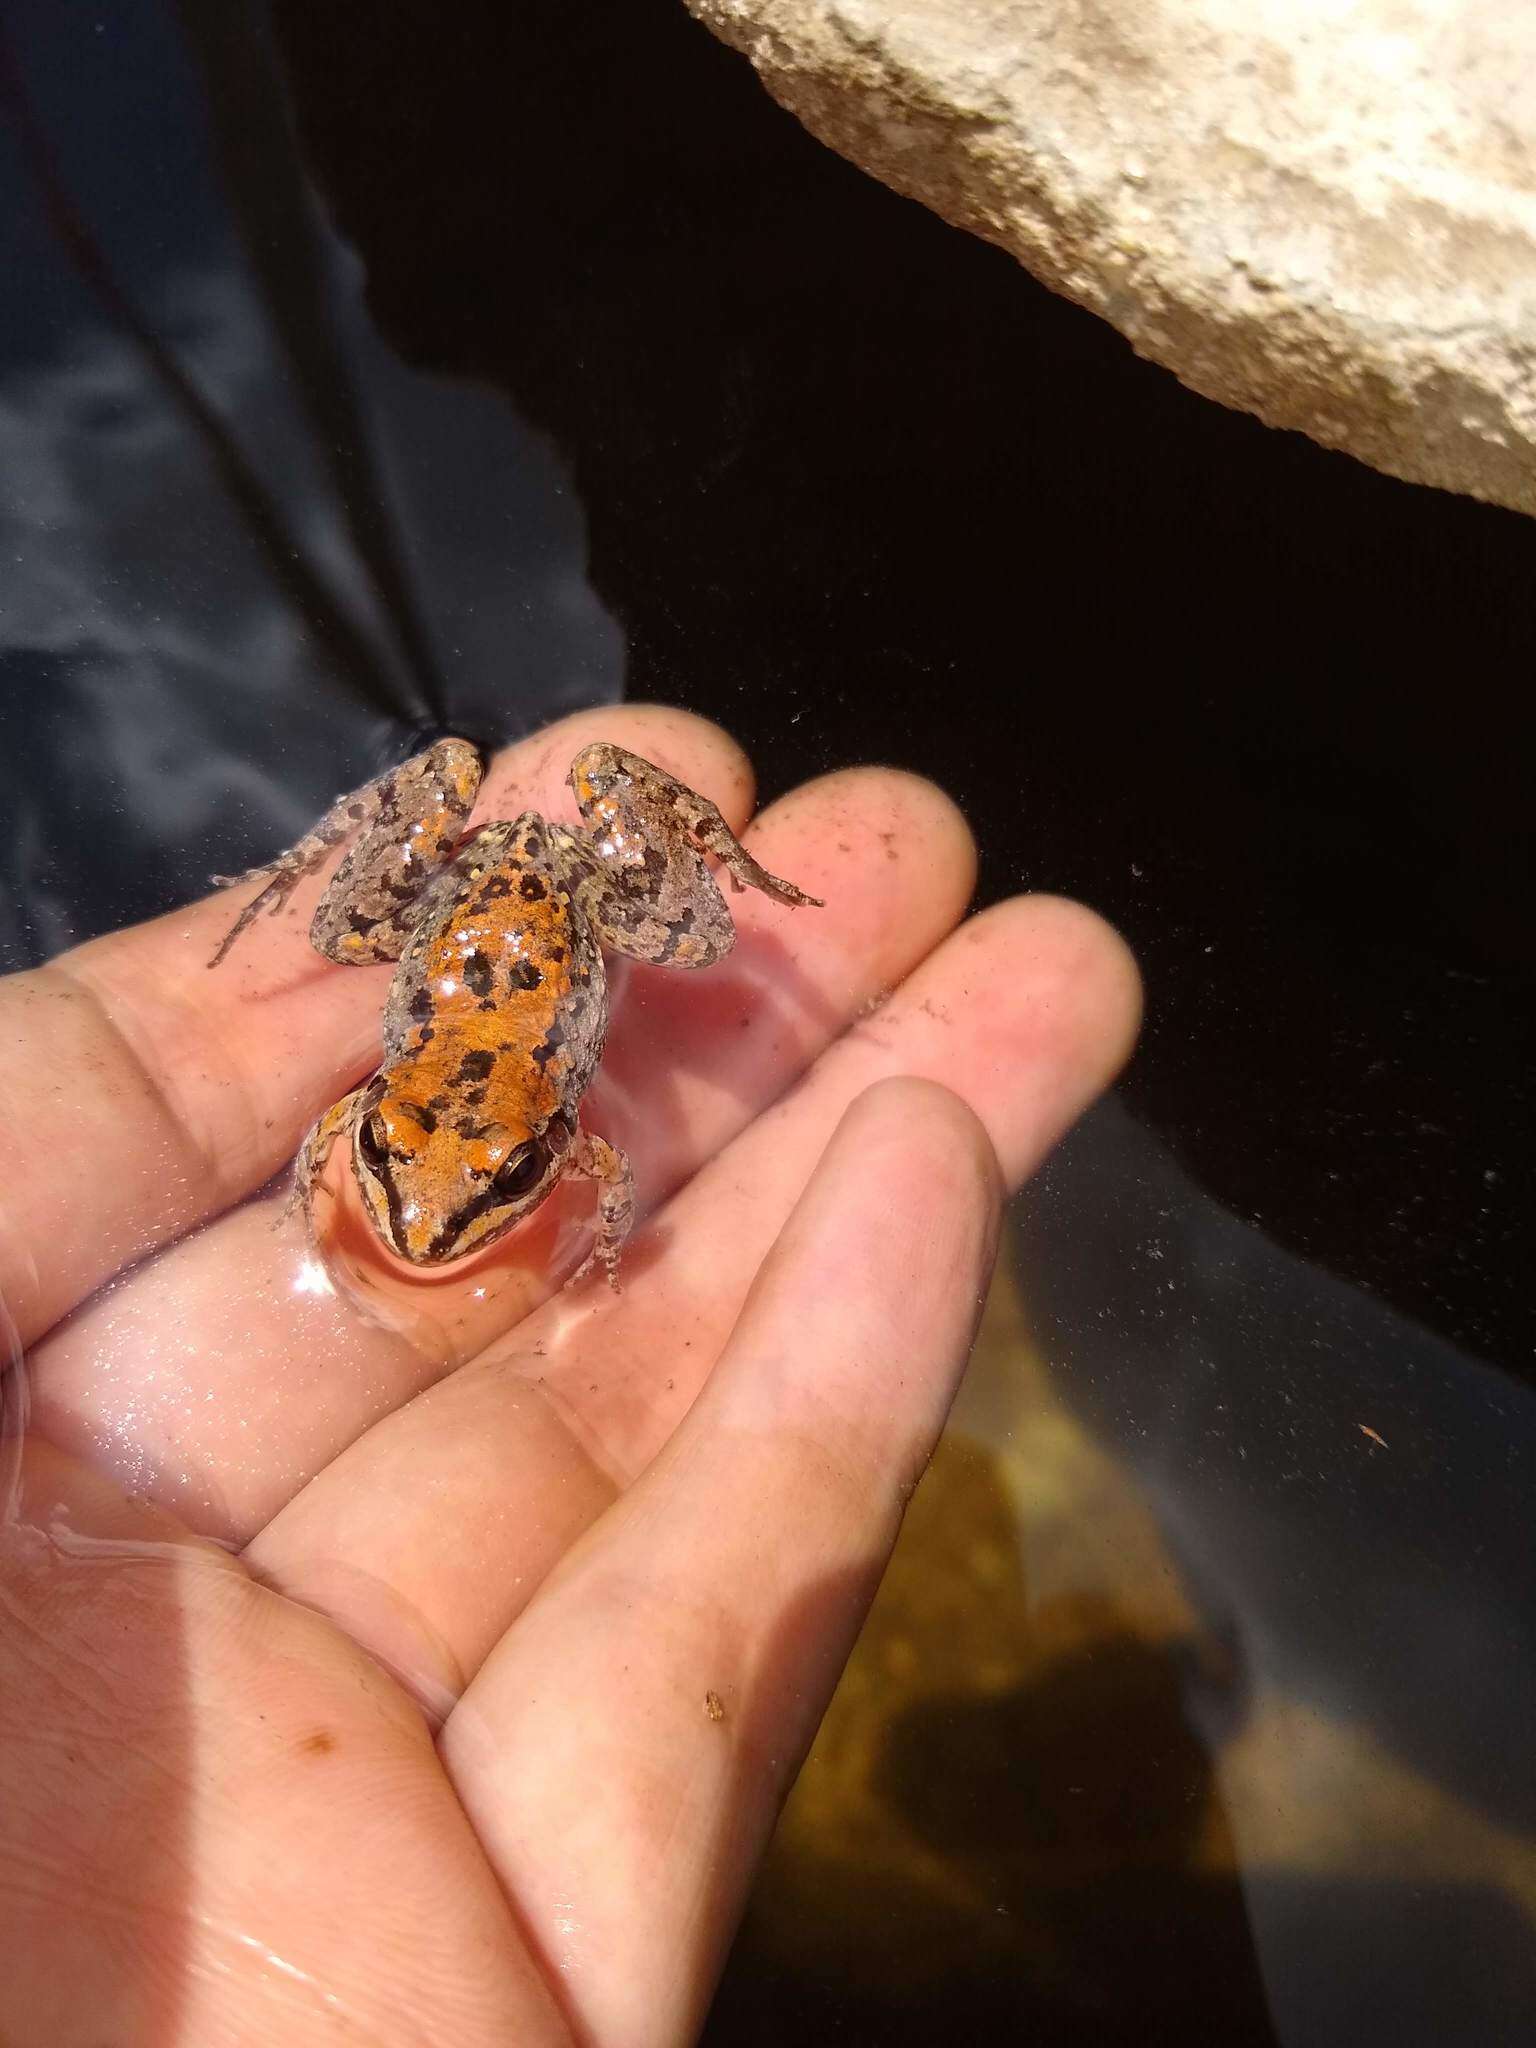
<point>610,1271</point>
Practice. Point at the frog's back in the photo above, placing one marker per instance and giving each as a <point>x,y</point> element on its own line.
<point>500,997</point>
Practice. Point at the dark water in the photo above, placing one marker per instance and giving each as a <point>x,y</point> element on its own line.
<point>380,369</point>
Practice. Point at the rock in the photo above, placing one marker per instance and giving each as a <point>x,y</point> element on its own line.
<point>1322,215</point>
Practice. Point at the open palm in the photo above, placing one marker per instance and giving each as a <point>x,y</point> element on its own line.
<point>425,1659</point>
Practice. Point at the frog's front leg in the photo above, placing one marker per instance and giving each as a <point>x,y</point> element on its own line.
<point>316,1150</point>
<point>651,896</point>
<point>609,1167</point>
<point>409,821</point>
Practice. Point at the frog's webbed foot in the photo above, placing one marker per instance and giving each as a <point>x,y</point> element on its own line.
<point>746,873</point>
<point>640,871</point>
<point>271,898</point>
<point>608,1166</point>
<point>610,1271</point>
<point>708,832</point>
<point>408,820</point>
<point>656,808</point>
<point>283,875</point>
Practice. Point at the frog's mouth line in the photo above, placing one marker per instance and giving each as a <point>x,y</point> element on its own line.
<point>460,1220</point>
<point>441,1248</point>
<point>387,1188</point>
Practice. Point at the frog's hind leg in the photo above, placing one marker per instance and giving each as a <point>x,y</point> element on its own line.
<point>609,1167</point>
<point>656,900</point>
<point>409,820</point>
<point>613,787</point>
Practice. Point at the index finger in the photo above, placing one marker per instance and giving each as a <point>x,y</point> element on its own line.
<point>145,1093</point>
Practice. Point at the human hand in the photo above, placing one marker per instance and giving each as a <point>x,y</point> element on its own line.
<point>435,1672</point>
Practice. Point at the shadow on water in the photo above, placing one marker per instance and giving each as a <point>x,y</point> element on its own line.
<point>1006,1823</point>
<point>1185,1712</point>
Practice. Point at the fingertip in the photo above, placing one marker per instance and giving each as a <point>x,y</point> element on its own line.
<point>898,819</point>
<point>885,1258</point>
<point>936,1129</point>
<point>1101,978</point>
<point>1082,981</point>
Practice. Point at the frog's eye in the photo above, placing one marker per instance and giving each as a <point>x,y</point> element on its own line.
<point>520,1170</point>
<point>373,1140</point>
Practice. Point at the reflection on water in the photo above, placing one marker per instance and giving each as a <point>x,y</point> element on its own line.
<point>1007,1825</point>
<point>1188,1710</point>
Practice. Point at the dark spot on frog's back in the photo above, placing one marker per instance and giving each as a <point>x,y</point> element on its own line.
<point>522,974</point>
<point>554,1039</point>
<point>477,974</point>
<point>421,1004</point>
<point>475,1066</point>
<point>531,888</point>
<point>682,927</point>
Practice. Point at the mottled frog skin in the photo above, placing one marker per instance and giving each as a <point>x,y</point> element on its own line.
<point>496,1017</point>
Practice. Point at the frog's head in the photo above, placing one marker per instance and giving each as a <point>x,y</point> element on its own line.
<point>439,1182</point>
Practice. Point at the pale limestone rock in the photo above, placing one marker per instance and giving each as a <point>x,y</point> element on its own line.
<point>1319,211</point>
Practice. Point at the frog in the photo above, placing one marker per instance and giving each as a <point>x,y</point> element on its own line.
<point>497,1012</point>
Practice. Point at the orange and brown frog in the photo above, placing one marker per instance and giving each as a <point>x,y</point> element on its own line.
<point>496,1016</point>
